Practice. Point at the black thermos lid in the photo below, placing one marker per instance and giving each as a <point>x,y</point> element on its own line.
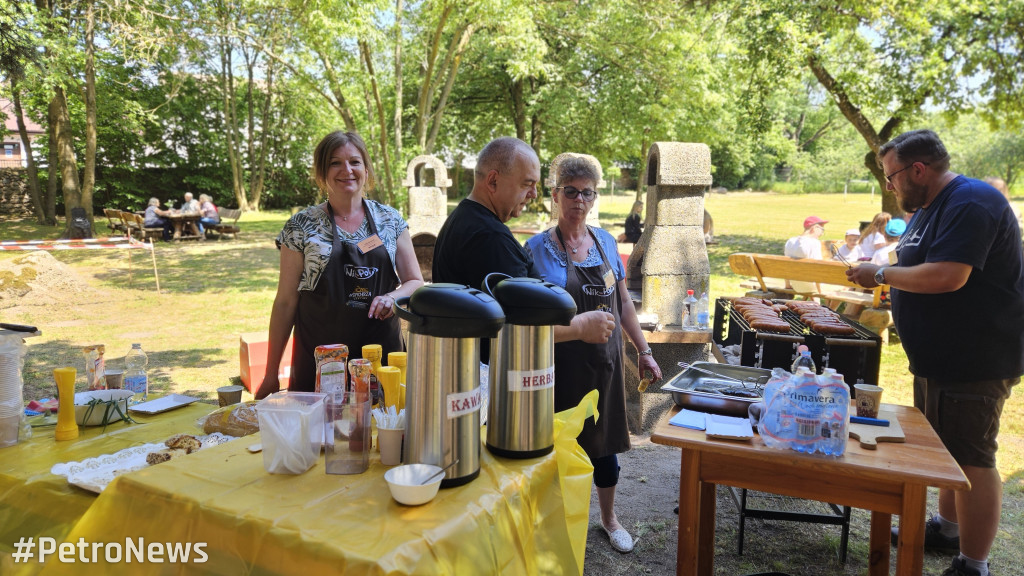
<point>451,311</point>
<point>533,302</point>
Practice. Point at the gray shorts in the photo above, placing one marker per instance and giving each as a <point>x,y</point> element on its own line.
<point>965,415</point>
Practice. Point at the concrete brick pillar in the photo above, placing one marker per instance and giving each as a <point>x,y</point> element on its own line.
<point>669,259</point>
<point>678,174</point>
<point>593,217</point>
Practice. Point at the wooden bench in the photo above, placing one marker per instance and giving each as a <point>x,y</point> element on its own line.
<point>810,278</point>
<point>114,221</point>
<point>225,228</point>
<point>141,230</point>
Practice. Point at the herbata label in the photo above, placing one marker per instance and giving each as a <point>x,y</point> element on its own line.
<point>462,403</point>
<point>530,380</point>
<point>359,272</point>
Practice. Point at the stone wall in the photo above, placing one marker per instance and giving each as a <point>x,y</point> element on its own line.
<point>14,199</point>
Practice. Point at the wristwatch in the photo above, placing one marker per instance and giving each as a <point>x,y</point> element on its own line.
<point>880,275</point>
<point>647,352</point>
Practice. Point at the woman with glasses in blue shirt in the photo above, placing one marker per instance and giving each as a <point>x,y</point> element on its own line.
<point>585,261</point>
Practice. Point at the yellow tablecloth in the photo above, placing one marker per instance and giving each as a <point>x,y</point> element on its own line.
<point>35,503</point>
<point>517,517</point>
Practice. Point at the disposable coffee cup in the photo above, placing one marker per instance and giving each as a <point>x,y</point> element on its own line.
<point>115,379</point>
<point>227,395</point>
<point>869,400</point>
<point>389,440</point>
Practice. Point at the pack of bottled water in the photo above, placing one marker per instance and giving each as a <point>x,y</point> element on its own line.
<point>806,412</point>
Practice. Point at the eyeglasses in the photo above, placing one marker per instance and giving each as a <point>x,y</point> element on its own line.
<point>572,193</point>
<point>888,177</point>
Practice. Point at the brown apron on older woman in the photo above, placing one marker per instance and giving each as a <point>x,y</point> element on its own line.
<point>581,367</point>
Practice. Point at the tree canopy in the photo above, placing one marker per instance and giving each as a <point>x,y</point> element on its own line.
<point>148,98</point>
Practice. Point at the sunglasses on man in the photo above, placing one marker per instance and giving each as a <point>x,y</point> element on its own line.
<point>572,193</point>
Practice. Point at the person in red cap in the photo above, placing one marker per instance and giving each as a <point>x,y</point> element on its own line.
<point>808,244</point>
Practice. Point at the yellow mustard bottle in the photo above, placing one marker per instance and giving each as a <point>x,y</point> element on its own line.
<point>389,380</point>
<point>374,353</point>
<point>67,428</point>
<point>401,361</point>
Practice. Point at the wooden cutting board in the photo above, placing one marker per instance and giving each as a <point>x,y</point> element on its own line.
<point>870,436</point>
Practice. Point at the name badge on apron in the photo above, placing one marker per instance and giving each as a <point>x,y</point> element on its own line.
<point>369,243</point>
<point>609,278</point>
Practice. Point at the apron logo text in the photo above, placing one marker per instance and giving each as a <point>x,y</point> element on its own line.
<point>598,290</point>
<point>360,272</point>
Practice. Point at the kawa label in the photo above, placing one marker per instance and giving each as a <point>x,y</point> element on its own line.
<point>530,380</point>
<point>462,403</point>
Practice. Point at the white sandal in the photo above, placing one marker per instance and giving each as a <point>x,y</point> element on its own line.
<point>620,540</point>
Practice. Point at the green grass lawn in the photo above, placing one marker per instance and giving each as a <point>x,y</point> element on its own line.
<point>214,291</point>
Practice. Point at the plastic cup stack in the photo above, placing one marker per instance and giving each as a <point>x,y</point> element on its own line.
<point>12,349</point>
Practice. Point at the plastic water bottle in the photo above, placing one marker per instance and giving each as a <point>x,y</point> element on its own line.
<point>776,426</point>
<point>135,378</point>
<point>689,320</point>
<point>803,360</point>
<point>835,413</point>
<point>807,411</point>
<point>703,314</point>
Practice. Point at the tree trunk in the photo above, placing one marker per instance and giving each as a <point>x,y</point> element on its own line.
<point>518,109</point>
<point>364,48</point>
<point>453,69</point>
<point>89,173</point>
<point>53,161</point>
<point>426,93</point>
<point>641,176</point>
<point>33,171</point>
<point>231,124</point>
<point>399,7</point>
<point>259,171</point>
<point>70,185</point>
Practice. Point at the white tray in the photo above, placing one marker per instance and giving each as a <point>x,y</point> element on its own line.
<point>169,402</point>
<point>93,474</point>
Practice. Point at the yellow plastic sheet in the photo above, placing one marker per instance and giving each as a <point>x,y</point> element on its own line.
<point>517,517</point>
<point>35,503</point>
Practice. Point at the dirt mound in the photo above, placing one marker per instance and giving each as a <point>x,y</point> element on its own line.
<point>37,277</point>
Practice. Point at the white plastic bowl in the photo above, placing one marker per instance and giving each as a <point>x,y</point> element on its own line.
<point>96,416</point>
<point>404,482</point>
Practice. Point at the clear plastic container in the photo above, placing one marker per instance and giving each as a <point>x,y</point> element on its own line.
<point>135,377</point>
<point>292,428</point>
<point>803,360</point>
<point>835,413</point>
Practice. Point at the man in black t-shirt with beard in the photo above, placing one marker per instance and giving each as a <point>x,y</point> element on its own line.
<point>475,241</point>
<point>958,305</point>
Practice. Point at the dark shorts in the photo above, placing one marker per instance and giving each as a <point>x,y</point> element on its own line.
<point>965,415</point>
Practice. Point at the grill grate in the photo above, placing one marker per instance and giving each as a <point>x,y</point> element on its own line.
<point>798,328</point>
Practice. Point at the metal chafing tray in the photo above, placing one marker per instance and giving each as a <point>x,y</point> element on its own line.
<point>716,377</point>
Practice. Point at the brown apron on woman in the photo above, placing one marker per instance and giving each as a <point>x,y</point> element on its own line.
<point>581,367</point>
<point>335,311</point>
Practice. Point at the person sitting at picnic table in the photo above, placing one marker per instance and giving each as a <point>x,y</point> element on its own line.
<point>154,218</point>
<point>210,215</point>
<point>808,244</point>
<point>634,227</point>
<point>344,262</point>
<point>873,236</point>
<point>190,205</point>
<point>893,230</point>
<point>850,251</point>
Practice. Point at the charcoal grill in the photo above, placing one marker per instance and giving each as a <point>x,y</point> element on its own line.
<point>856,356</point>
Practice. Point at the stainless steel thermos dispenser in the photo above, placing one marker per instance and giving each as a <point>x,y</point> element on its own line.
<point>443,396</point>
<point>521,411</point>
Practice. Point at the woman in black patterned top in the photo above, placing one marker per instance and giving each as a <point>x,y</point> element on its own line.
<point>343,264</point>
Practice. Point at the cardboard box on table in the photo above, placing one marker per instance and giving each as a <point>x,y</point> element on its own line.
<point>252,360</point>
